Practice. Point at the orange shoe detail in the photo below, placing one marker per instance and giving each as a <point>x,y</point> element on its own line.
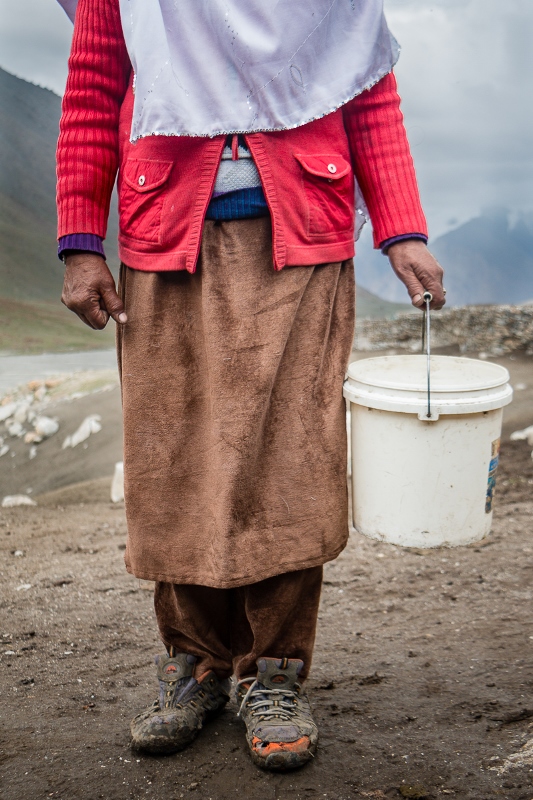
<point>299,746</point>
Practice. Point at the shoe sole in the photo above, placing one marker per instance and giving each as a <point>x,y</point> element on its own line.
<point>161,746</point>
<point>283,761</point>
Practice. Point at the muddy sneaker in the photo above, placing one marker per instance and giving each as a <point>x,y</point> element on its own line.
<point>280,729</point>
<point>176,717</point>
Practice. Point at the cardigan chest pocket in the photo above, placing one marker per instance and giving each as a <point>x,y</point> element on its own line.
<point>329,188</point>
<point>141,197</point>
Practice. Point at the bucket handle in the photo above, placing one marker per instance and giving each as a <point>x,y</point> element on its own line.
<point>426,334</point>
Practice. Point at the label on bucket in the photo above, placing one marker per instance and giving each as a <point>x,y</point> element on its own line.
<point>493,466</point>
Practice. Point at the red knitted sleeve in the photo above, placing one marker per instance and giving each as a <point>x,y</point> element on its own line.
<point>382,161</point>
<point>87,152</point>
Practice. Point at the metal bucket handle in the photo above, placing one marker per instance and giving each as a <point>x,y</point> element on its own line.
<point>427,297</point>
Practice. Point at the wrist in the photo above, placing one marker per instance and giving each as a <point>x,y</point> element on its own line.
<point>402,237</point>
<point>78,258</point>
<point>406,246</point>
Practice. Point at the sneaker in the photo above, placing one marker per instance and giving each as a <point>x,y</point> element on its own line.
<point>280,729</point>
<point>176,717</point>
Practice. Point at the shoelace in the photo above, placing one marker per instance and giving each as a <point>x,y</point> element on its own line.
<point>270,702</point>
<point>180,690</point>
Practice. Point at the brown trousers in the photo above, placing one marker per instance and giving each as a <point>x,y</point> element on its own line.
<point>229,629</point>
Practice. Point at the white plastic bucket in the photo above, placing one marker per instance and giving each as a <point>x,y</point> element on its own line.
<point>422,482</point>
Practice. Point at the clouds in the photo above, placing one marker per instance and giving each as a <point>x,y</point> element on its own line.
<point>35,41</point>
<point>465,78</point>
<point>465,75</point>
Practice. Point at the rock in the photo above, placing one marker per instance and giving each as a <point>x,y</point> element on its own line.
<point>15,428</point>
<point>117,485</point>
<point>524,435</point>
<point>32,438</point>
<point>21,413</point>
<point>485,330</point>
<point>40,394</point>
<point>33,452</point>
<point>3,450</point>
<point>33,386</point>
<point>10,501</point>
<point>7,411</point>
<point>90,425</point>
<point>46,426</point>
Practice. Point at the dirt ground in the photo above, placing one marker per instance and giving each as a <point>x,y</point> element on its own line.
<point>422,683</point>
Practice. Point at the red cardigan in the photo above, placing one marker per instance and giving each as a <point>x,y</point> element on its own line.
<point>165,183</point>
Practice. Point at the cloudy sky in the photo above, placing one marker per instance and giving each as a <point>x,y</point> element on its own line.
<point>465,76</point>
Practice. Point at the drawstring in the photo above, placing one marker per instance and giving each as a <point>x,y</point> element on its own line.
<point>235,147</point>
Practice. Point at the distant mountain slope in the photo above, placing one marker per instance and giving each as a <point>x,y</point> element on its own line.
<point>370,306</point>
<point>486,260</point>
<point>29,117</point>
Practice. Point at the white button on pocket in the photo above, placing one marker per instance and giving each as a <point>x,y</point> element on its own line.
<point>332,168</point>
<point>142,180</point>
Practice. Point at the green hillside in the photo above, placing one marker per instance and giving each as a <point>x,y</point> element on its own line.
<point>32,319</point>
<point>46,327</point>
<point>29,117</point>
<point>370,306</point>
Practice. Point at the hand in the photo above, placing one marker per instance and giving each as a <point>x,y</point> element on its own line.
<point>89,290</point>
<point>418,270</point>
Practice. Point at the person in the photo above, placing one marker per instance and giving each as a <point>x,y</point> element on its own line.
<point>239,153</point>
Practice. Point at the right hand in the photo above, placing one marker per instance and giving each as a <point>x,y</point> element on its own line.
<point>89,290</point>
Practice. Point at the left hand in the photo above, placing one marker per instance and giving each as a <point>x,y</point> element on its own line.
<point>418,270</point>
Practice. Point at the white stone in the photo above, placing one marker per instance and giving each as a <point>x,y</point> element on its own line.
<point>524,435</point>
<point>7,411</point>
<point>33,452</point>
<point>46,426</point>
<point>10,501</point>
<point>117,486</point>
<point>3,450</point>
<point>40,393</point>
<point>90,425</point>
<point>15,428</point>
<point>21,414</point>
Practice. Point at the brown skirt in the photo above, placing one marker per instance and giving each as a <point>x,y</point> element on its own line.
<point>234,420</point>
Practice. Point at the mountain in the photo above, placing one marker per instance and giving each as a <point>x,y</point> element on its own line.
<point>488,259</point>
<point>29,117</point>
<point>370,306</point>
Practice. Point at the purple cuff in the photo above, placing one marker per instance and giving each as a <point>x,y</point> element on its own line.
<point>402,238</point>
<point>87,242</point>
